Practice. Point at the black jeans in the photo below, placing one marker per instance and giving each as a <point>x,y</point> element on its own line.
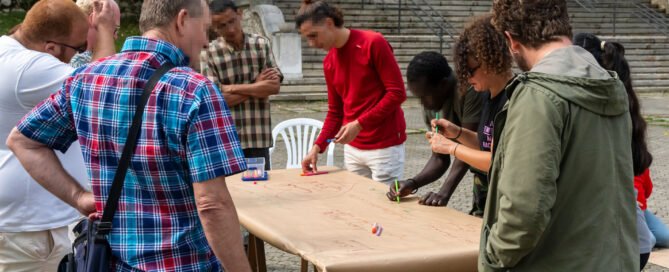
<point>258,153</point>
<point>644,260</point>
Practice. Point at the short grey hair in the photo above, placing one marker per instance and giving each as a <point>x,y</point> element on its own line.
<point>86,6</point>
<point>159,13</point>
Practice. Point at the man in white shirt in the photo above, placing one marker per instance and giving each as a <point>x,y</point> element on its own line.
<point>33,61</point>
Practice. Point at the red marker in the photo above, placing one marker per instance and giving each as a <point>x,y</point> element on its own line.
<point>313,173</point>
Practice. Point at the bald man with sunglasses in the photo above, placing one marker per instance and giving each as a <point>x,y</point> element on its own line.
<point>94,50</point>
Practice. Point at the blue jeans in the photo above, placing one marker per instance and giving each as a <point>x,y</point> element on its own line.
<point>659,229</point>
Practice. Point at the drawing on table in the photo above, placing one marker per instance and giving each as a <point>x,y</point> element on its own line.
<point>309,189</point>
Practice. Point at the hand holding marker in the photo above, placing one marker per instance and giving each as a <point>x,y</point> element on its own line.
<point>397,191</point>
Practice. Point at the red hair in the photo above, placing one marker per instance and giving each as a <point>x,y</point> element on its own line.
<point>52,20</point>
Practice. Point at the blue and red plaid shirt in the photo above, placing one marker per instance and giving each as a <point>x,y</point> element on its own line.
<point>187,136</point>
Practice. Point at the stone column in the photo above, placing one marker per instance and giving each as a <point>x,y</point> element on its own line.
<point>287,47</point>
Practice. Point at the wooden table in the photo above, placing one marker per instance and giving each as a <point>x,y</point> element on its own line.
<point>327,221</point>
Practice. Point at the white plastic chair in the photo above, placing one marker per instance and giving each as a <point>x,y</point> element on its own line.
<point>299,135</point>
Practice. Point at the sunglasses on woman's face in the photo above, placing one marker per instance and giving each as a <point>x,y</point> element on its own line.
<point>472,70</point>
<point>80,49</point>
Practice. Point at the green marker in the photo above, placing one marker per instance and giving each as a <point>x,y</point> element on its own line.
<point>397,190</point>
<point>436,128</point>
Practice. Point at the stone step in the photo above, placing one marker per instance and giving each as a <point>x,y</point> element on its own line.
<point>646,59</point>
<point>301,93</point>
<point>364,15</point>
<point>432,42</point>
<point>316,77</point>
<point>636,76</point>
<point>351,6</point>
<point>645,50</point>
<point>455,13</point>
<point>459,20</point>
<point>290,9</point>
<point>629,52</point>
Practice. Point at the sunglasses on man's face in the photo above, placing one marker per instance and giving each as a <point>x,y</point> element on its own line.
<point>80,49</point>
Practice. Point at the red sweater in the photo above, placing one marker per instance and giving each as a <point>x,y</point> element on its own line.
<point>644,186</point>
<point>365,84</point>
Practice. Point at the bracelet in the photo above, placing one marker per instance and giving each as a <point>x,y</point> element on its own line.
<point>459,133</point>
<point>455,149</point>
<point>415,186</point>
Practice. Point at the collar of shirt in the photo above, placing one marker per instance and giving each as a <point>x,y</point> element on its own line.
<point>170,51</point>
<point>230,48</point>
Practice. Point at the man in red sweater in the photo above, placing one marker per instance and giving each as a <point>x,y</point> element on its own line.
<point>365,92</point>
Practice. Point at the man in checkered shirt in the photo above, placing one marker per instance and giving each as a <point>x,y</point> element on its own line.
<point>175,212</point>
<point>243,66</point>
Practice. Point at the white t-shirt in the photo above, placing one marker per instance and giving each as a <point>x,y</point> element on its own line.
<point>27,78</point>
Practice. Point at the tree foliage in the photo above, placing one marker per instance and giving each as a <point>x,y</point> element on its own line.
<point>129,8</point>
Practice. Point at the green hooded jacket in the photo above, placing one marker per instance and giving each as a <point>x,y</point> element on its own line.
<point>561,194</point>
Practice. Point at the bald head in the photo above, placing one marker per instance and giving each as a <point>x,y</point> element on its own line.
<point>88,7</point>
<point>53,20</point>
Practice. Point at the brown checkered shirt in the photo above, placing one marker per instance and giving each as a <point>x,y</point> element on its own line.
<point>222,64</point>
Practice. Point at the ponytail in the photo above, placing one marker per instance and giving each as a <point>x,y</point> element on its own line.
<point>613,58</point>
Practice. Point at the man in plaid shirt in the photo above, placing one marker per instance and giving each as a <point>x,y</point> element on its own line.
<point>175,212</point>
<point>243,66</point>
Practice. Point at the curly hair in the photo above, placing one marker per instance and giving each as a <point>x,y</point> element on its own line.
<point>481,42</point>
<point>532,22</point>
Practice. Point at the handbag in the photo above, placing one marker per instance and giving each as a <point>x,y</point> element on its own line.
<point>90,250</point>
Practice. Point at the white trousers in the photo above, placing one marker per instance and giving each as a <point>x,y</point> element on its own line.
<point>35,251</point>
<point>382,165</point>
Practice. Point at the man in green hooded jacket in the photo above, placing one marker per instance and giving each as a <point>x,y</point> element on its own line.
<point>561,194</point>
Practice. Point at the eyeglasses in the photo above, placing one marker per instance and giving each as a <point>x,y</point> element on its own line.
<point>80,49</point>
<point>471,71</point>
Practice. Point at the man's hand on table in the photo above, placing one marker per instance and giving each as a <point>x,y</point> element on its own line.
<point>434,199</point>
<point>406,188</point>
<point>310,160</point>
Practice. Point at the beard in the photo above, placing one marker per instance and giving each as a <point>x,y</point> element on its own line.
<point>521,61</point>
<point>63,57</point>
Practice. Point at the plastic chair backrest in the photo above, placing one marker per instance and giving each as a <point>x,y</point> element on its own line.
<point>299,135</point>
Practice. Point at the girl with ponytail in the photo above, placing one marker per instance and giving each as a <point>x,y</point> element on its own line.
<point>365,91</point>
<point>611,56</point>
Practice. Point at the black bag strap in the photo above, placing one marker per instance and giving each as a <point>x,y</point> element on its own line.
<point>104,227</point>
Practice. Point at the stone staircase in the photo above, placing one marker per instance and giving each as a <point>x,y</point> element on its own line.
<point>646,48</point>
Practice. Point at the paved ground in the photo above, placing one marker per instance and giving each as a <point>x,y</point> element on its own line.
<point>655,107</point>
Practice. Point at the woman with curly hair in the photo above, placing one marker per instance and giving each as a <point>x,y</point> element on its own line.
<point>482,59</point>
<point>365,92</point>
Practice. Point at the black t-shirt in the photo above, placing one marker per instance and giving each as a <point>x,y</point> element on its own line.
<point>489,110</point>
<point>486,126</point>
